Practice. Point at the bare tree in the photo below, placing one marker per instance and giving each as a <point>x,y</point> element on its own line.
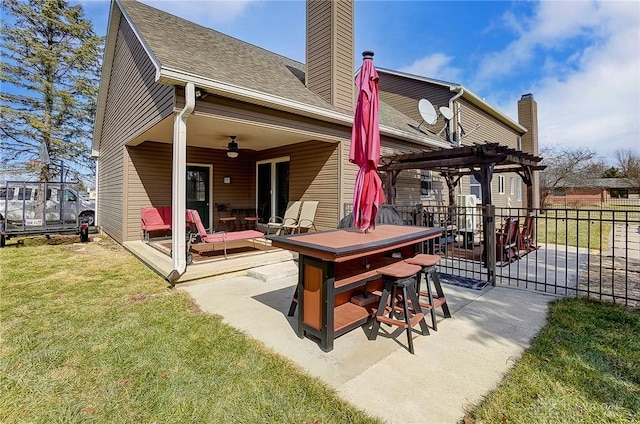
<point>629,165</point>
<point>566,167</point>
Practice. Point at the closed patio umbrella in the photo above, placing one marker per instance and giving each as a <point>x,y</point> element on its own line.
<point>365,147</point>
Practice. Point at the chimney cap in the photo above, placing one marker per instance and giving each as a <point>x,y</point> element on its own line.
<point>367,54</point>
<point>526,96</point>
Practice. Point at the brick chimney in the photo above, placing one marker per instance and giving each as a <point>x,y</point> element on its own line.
<point>528,118</point>
<point>330,51</point>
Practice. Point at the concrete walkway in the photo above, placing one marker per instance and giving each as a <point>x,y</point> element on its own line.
<point>451,370</point>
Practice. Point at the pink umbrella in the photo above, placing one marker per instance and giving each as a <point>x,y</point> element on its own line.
<point>365,147</point>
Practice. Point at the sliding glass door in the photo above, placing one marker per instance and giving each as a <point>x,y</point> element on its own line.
<point>272,187</point>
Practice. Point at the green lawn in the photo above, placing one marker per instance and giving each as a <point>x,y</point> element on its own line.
<point>583,227</point>
<point>89,334</point>
<point>591,234</point>
<point>583,367</point>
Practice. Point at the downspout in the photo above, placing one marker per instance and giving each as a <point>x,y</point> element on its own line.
<point>452,123</point>
<point>95,204</point>
<point>178,196</point>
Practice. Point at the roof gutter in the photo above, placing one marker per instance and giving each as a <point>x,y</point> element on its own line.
<point>178,197</point>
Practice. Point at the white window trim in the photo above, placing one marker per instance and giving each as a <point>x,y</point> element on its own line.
<point>476,184</point>
<point>427,173</point>
<point>500,184</point>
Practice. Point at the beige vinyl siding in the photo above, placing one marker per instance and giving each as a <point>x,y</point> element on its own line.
<point>330,47</point>
<point>344,70</point>
<point>491,129</point>
<point>528,118</point>
<point>404,94</point>
<point>149,174</point>
<point>246,114</point>
<point>318,75</point>
<point>150,179</point>
<point>407,183</point>
<point>349,174</point>
<point>313,175</point>
<point>498,200</point>
<point>134,104</point>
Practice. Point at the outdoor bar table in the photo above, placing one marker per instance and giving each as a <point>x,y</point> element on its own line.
<point>338,267</point>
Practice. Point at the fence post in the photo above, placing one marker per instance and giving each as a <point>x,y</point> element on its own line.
<point>490,242</point>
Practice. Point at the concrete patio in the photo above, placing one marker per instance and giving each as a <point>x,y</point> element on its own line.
<point>453,367</point>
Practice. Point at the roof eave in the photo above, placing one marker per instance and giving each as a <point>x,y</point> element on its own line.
<point>115,14</point>
<point>468,94</point>
<point>176,77</point>
<point>476,100</point>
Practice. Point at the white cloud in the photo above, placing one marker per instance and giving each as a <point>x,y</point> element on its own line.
<point>204,12</point>
<point>434,66</point>
<point>552,25</point>
<point>591,98</point>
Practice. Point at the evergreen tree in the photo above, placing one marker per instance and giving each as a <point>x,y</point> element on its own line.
<point>49,68</point>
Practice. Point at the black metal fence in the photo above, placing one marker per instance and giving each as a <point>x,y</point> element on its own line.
<point>563,251</point>
<point>573,202</point>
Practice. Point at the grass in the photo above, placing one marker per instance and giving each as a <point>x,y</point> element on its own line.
<point>572,232</point>
<point>91,335</point>
<point>587,227</point>
<point>583,367</point>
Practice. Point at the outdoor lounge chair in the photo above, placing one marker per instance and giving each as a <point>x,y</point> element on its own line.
<point>277,224</point>
<point>306,218</point>
<point>201,235</point>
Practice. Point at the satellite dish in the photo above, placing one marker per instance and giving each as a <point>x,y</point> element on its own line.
<point>427,111</point>
<point>446,112</point>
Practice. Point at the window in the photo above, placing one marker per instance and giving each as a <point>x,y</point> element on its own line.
<point>519,143</point>
<point>620,193</point>
<point>559,192</point>
<point>69,196</point>
<point>519,190</point>
<point>512,186</point>
<point>474,187</point>
<point>426,184</point>
<point>24,194</point>
<point>3,194</point>
<point>500,184</point>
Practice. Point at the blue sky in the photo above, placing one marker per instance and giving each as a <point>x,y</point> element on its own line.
<point>580,59</point>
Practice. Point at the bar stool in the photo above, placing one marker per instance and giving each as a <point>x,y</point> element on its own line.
<point>428,264</point>
<point>397,277</point>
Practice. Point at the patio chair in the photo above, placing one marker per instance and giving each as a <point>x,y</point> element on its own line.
<point>277,224</point>
<point>199,233</point>
<point>526,235</point>
<point>507,241</point>
<point>306,218</point>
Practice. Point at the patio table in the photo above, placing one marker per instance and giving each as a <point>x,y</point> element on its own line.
<point>336,265</point>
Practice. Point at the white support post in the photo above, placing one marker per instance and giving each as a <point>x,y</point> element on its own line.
<point>179,185</point>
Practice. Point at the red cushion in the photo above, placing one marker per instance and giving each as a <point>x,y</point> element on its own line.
<point>152,220</point>
<point>232,236</point>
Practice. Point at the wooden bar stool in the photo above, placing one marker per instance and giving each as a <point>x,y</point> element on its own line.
<point>428,264</point>
<point>397,277</point>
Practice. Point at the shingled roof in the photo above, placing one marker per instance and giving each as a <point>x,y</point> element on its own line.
<point>214,56</point>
